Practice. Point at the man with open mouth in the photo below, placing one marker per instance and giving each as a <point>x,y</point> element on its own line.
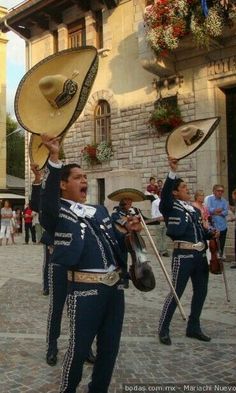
<point>93,251</point>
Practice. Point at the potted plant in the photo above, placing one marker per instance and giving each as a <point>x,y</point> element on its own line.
<point>165,117</point>
<point>89,153</point>
<point>97,152</point>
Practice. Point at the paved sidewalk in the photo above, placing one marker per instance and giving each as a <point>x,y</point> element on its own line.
<point>143,363</point>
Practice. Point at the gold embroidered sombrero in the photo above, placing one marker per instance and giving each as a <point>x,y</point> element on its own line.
<point>38,152</point>
<point>53,93</point>
<point>188,137</point>
<point>127,193</point>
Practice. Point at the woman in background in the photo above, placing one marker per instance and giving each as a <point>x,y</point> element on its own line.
<point>199,204</point>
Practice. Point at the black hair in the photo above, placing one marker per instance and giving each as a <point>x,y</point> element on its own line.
<point>177,184</point>
<point>66,170</point>
<point>152,178</point>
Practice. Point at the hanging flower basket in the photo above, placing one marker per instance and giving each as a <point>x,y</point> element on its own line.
<point>167,21</point>
<point>89,154</point>
<point>165,117</point>
<point>97,153</point>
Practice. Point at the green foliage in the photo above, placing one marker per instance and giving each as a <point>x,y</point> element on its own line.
<point>15,144</point>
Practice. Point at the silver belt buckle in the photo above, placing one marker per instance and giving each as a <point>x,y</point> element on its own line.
<point>200,246</point>
<point>110,278</point>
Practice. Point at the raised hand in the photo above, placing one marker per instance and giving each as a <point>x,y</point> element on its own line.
<point>53,146</point>
<point>37,173</point>
<point>173,163</point>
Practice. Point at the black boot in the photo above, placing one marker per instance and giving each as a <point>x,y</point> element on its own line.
<point>51,357</point>
<point>91,357</point>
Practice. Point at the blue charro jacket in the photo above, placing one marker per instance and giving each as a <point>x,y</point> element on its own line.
<point>181,224</point>
<point>79,243</point>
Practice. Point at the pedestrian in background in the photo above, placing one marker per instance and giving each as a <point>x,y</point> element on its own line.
<point>233,209</point>
<point>28,222</point>
<point>6,216</point>
<point>199,204</point>
<point>152,186</point>
<point>218,210</point>
<point>18,221</point>
<point>161,228</point>
<point>13,227</point>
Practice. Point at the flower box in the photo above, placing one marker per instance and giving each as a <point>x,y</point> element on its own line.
<point>97,153</point>
<point>165,117</point>
<point>167,22</point>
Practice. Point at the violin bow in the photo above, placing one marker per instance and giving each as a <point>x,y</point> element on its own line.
<point>162,267</point>
<point>223,272</point>
<point>225,282</point>
<point>222,263</point>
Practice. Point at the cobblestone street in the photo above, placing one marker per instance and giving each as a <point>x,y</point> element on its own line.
<point>142,363</point>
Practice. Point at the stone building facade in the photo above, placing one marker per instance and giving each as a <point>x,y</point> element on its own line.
<point>126,71</point>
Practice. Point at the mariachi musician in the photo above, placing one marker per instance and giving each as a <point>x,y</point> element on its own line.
<point>184,227</point>
<point>86,243</point>
<point>120,214</point>
<point>140,270</point>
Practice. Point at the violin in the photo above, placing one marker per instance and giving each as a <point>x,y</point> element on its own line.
<point>216,265</point>
<point>140,270</point>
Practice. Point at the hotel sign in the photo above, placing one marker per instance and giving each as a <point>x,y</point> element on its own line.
<point>221,66</point>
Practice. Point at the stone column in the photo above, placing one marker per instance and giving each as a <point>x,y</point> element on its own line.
<point>3,48</point>
<point>62,37</point>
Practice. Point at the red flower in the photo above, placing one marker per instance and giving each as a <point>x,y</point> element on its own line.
<point>90,150</point>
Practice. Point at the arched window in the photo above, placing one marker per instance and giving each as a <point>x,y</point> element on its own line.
<point>102,122</point>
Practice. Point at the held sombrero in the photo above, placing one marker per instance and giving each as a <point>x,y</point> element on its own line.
<point>127,193</point>
<point>38,152</point>
<point>53,93</point>
<point>187,138</point>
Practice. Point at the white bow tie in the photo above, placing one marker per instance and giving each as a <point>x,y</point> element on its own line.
<point>187,206</point>
<point>83,210</point>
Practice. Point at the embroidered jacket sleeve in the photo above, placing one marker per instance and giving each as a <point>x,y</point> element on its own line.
<point>50,198</point>
<point>167,199</point>
<point>35,197</point>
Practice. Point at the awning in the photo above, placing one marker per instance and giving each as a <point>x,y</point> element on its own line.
<point>11,196</point>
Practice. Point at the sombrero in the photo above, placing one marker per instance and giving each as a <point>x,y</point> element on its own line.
<point>53,93</point>
<point>188,137</point>
<point>37,150</point>
<point>127,193</point>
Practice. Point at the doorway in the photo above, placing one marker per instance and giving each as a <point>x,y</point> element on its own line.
<point>231,138</point>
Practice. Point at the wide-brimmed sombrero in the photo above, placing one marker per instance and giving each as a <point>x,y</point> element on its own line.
<point>188,137</point>
<point>127,193</point>
<point>38,152</point>
<point>53,93</point>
